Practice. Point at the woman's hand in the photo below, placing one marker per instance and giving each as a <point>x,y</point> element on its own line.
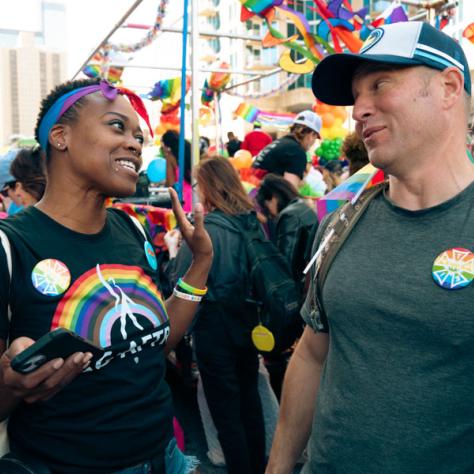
<point>44,382</point>
<point>196,236</point>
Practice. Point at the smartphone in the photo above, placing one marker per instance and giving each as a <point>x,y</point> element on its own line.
<point>55,344</point>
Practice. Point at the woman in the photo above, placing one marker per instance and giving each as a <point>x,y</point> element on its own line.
<point>30,180</point>
<point>90,269</point>
<point>333,174</point>
<point>294,220</point>
<point>226,357</point>
<point>170,147</point>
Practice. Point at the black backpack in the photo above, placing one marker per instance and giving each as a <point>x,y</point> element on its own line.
<point>272,287</point>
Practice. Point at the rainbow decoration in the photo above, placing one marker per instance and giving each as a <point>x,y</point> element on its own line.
<point>468,32</point>
<point>112,74</point>
<point>247,112</point>
<point>349,190</point>
<point>92,309</point>
<point>156,221</point>
<point>251,114</point>
<point>274,119</point>
<point>454,268</point>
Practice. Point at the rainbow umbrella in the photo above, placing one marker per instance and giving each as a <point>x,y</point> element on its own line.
<point>349,190</point>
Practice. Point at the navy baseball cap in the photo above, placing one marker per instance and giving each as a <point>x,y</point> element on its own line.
<point>410,43</point>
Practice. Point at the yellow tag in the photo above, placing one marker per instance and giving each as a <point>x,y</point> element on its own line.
<point>262,338</point>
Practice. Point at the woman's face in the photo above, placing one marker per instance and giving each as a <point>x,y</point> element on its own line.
<point>272,206</point>
<point>104,146</point>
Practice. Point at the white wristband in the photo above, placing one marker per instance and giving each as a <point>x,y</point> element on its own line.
<point>186,296</point>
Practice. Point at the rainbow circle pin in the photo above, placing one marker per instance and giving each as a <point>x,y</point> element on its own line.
<point>151,255</point>
<point>453,269</point>
<point>51,277</point>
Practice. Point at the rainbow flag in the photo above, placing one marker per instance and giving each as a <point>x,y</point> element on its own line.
<point>349,190</point>
<point>247,112</point>
<point>275,120</point>
<point>156,220</point>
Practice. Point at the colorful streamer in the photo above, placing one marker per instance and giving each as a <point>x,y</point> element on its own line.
<point>148,39</point>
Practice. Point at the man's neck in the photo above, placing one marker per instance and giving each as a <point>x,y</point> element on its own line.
<point>443,177</point>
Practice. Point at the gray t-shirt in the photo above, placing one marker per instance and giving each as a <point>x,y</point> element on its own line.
<point>397,389</point>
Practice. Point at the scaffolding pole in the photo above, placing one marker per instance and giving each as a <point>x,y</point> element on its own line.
<point>195,89</point>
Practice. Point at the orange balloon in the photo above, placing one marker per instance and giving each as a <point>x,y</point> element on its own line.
<point>341,113</point>
<point>244,158</point>
<point>328,119</point>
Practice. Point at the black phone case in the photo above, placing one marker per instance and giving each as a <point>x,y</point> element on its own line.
<point>58,343</point>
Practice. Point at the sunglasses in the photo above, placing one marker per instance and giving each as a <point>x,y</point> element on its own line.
<point>6,187</point>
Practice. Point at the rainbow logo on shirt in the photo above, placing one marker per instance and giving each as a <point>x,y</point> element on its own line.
<point>454,268</point>
<point>108,295</point>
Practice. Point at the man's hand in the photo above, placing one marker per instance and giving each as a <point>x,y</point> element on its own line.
<point>44,382</point>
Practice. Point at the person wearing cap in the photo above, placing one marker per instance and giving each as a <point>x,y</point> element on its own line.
<point>92,270</point>
<point>10,198</point>
<point>384,384</point>
<point>287,155</point>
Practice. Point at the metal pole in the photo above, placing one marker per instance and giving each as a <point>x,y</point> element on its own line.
<point>211,34</point>
<point>181,161</point>
<point>112,31</point>
<point>175,68</point>
<point>195,89</point>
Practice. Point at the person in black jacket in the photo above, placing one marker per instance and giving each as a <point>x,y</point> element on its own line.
<point>294,220</point>
<point>226,357</point>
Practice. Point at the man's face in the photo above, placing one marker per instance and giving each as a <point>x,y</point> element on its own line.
<point>309,140</point>
<point>395,114</point>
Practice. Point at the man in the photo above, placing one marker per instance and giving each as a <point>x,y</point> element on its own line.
<point>256,140</point>
<point>233,144</point>
<point>389,377</point>
<point>287,155</point>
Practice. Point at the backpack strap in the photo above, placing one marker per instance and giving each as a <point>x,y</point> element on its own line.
<point>8,253</point>
<point>339,228</point>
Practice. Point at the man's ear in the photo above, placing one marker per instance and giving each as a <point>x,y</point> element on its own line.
<point>452,81</point>
<point>58,137</point>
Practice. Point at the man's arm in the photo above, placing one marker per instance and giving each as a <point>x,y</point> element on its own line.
<point>298,400</point>
<point>294,179</point>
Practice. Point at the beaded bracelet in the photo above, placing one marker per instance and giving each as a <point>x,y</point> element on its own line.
<point>186,296</point>
<point>190,289</point>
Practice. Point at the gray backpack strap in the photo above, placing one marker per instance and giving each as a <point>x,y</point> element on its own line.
<point>340,226</point>
<point>8,253</point>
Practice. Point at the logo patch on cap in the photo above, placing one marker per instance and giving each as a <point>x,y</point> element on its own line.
<point>372,40</point>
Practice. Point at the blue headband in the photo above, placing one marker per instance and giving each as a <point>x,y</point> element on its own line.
<point>66,101</point>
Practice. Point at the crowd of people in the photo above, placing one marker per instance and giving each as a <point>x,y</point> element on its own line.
<point>378,379</point>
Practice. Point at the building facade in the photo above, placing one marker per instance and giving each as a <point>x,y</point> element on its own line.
<point>31,64</point>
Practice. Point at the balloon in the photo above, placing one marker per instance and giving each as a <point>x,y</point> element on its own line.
<point>212,150</point>
<point>324,133</point>
<point>242,159</point>
<point>337,122</point>
<point>156,170</point>
<point>319,151</point>
<point>340,112</point>
<point>328,119</point>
